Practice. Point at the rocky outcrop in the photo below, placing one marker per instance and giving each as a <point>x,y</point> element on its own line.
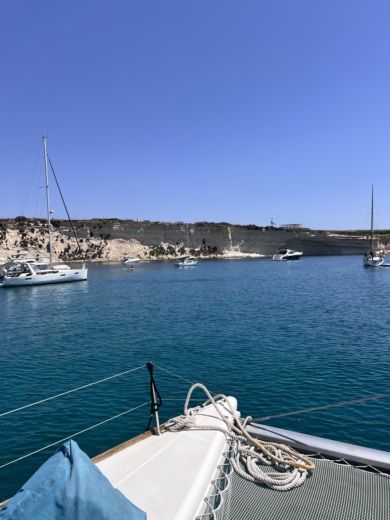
<point>112,239</point>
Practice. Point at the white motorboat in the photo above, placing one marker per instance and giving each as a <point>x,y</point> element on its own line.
<point>207,464</point>
<point>23,270</point>
<point>373,257</point>
<point>190,261</point>
<point>287,254</point>
<point>131,261</point>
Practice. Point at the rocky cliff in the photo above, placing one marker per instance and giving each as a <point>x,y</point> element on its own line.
<point>112,239</point>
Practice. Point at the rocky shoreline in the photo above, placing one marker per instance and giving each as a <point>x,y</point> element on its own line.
<point>112,240</point>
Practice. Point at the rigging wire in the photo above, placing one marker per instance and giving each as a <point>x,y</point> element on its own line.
<point>73,435</point>
<point>66,209</point>
<point>71,391</point>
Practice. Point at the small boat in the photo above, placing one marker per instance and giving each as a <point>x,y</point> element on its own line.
<point>130,261</point>
<point>373,257</point>
<point>190,261</point>
<point>23,270</point>
<point>207,464</point>
<point>287,254</point>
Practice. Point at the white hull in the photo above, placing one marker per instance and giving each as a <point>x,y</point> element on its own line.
<point>373,261</point>
<point>187,262</point>
<point>130,261</point>
<point>69,275</point>
<point>288,255</point>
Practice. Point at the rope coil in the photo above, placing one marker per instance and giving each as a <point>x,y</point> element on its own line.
<point>249,453</point>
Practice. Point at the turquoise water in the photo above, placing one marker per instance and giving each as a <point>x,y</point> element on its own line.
<point>278,336</point>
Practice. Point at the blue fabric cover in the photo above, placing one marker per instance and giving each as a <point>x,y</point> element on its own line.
<point>69,486</point>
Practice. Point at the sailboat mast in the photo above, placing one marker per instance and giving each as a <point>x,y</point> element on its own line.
<point>47,195</point>
<point>372,217</point>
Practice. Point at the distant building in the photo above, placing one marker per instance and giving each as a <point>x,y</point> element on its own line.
<point>291,226</point>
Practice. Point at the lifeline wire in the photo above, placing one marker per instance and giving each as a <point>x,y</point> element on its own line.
<point>173,374</point>
<point>339,404</point>
<point>71,391</point>
<point>176,375</point>
<point>73,435</point>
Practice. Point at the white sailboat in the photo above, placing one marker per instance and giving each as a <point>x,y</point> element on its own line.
<point>373,258</point>
<point>30,272</point>
<point>189,261</point>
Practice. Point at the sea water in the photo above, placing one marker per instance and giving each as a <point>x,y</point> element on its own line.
<point>280,336</point>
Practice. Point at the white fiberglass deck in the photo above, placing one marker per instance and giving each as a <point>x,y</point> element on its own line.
<point>168,476</point>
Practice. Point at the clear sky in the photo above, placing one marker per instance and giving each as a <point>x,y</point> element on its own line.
<point>213,110</point>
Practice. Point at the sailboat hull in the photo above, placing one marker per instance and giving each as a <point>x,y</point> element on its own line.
<point>23,280</point>
<point>373,261</point>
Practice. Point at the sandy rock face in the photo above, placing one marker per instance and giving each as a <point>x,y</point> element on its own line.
<point>66,248</point>
<point>32,238</point>
<point>113,240</point>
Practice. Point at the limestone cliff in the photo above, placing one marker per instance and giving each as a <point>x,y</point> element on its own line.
<point>113,239</point>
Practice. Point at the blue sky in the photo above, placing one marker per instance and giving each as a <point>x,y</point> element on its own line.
<point>213,110</point>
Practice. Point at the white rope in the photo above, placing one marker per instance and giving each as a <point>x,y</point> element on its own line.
<point>74,435</point>
<point>249,453</point>
<point>70,391</point>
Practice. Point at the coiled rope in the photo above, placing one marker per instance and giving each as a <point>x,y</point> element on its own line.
<point>249,453</point>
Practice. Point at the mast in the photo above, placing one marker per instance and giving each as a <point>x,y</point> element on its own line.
<point>44,139</point>
<point>372,218</point>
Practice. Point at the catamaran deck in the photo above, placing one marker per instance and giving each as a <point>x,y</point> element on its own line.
<point>170,476</point>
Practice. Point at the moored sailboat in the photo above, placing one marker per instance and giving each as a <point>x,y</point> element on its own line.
<point>188,261</point>
<point>26,271</point>
<point>373,257</point>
